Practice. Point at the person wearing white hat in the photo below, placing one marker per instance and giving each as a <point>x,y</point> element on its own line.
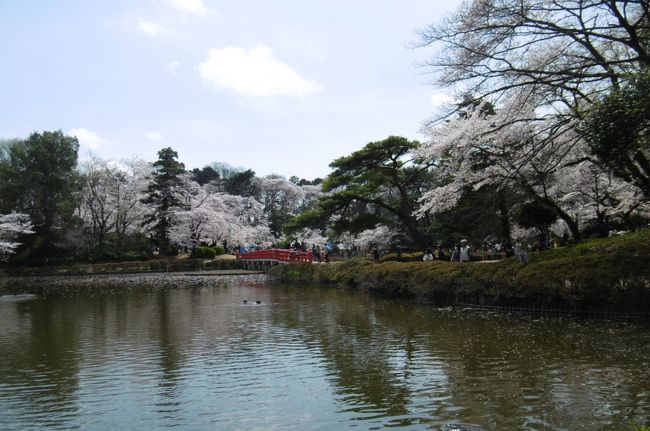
<point>464,251</point>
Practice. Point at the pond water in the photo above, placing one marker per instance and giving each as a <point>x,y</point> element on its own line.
<point>159,351</point>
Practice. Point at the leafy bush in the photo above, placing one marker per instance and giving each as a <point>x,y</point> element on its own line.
<point>166,249</point>
<point>218,250</point>
<point>406,257</point>
<point>203,253</point>
<point>133,256</point>
<point>282,244</point>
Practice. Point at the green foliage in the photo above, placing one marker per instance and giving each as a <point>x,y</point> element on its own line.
<point>406,257</point>
<point>218,250</point>
<point>618,131</point>
<point>303,182</point>
<point>282,244</point>
<point>135,246</point>
<point>167,249</point>
<point>38,177</point>
<point>132,255</point>
<point>379,183</point>
<point>81,247</point>
<point>535,215</point>
<point>375,165</point>
<point>242,184</point>
<point>203,253</point>
<point>161,196</point>
<point>478,214</point>
<point>205,175</point>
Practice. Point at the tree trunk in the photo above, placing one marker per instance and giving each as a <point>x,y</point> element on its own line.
<point>504,217</point>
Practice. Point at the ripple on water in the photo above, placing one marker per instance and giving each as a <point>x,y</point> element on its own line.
<point>142,352</point>
<point>18,297</point>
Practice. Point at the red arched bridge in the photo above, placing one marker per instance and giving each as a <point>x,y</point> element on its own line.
<point>262,260</point>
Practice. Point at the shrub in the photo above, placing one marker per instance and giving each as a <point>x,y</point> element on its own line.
<point>133,255</point>
<point>167,249</point>
<point>406,257</point>
<point>282,244</point>
<point>203,253</point>
<point>218,250</point>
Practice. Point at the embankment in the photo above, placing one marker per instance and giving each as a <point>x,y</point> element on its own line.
<point>610,275</point>
<point>145,266</point>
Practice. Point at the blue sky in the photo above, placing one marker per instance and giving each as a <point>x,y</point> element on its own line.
<point>278,86</point>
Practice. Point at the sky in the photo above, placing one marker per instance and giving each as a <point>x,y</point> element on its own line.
<point>277,86</point>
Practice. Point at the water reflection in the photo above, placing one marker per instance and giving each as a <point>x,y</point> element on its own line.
<point>410,364</point>
<point>39,361</point>
<point>160,351</point>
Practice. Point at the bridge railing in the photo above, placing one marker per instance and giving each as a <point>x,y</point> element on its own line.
<point>280,255</point>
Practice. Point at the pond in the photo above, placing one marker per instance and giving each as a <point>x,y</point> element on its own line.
<point>232,353</point>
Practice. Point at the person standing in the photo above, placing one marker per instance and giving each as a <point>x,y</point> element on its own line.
<point>455,254</point>
<point>464,251</point>
<point>440,253</point>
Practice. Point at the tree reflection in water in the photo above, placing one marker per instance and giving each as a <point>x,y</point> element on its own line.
<point>187,351</point>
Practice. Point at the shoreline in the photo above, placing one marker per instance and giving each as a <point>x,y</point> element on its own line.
<point>608,276</point>
<point>164,265</point>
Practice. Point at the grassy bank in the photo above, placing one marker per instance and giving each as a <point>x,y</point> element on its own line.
<point>153,265</point>
<point>602,275</point>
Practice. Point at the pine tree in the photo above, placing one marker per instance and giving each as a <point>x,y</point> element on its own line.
<point>161,196</point>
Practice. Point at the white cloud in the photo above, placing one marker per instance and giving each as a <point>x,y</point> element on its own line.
<point>172,66</point>
<point>153,136</point>
<point>149,27</point>
<point>253,73</point>
<point>88,138</point>
<point>439,99</point>
<point>191,6</point>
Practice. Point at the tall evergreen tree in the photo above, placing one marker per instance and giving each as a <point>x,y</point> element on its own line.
<point>379,183</point>
<point>39,178</point>
<point>161,195</point>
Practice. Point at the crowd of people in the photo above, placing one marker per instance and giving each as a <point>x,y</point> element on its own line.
<point>489,250</point>
<point>321,254</point>
<point>460,252</point>
<point>464,252</point>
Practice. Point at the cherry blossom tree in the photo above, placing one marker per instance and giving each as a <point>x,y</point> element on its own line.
<point>311,237</point>
<point>133,177</point>
<point>12,226</point>
<point>516,147</point>
<point>563,57</point>
<point>565,51</point>
<point>595,196</point>
<point>110,199</point>
<point>380,236</point>
<point>311,195</point>
<point>281,199</point>
<point>208,217</point>
<point>250,224</point>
